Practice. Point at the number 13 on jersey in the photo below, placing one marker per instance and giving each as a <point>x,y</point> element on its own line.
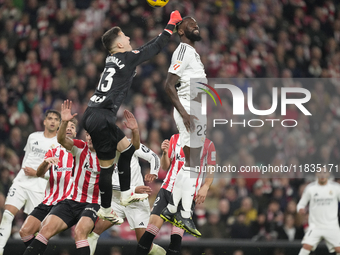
<point>106,80</point>
<point>104,85</point>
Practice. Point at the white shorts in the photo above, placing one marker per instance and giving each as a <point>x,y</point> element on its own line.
<point>137,214</point>
<point>314,236</point>
<point>19,197</point>
<point>196,138</point>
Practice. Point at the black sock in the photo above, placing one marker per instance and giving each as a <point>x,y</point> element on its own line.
<point>28,242</point>
<point>105,186</point>
<point>175,245</point>
<point>35,248</point>
<point>144,244</point>
<point>124,168</point>
<point>83,250</point>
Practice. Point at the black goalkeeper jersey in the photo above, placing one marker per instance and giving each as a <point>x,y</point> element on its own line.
<point>119,71</point>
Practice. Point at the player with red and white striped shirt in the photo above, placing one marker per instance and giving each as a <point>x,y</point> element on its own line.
<point>60,164</point>
<point>175,150</point>
<point>173,159</point>
<point>60,184</point>
<point>81,206</point>
<point>86,173</point>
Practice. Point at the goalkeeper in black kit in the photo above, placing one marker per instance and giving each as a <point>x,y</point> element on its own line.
<point>100,116</point>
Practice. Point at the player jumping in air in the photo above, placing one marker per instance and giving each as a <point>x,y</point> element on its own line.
<point>137,214</point>
<point>173,160</point>
<point>186,68</point>
<point>100,116</point>
<point>323,197</point>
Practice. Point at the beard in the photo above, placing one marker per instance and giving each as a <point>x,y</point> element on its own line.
<point>192,36</point>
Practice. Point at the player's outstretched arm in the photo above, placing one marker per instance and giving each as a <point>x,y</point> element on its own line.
<point>165,160</point>
<point>66,116</point>
<point>170,83</point>
<point>146,52</point>
<point>131,123</point>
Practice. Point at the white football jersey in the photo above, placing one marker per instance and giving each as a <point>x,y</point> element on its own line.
<point>136,173</point>
<point>187,64</point>
<point>36,147</point>
<point>323,204</point>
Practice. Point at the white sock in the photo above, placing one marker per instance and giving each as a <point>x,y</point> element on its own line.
<point>188,190</point>
<point>125,194</point>
<point>156,250</point>
<point>176,192</point>
<point>303,251</point>
<point>92,239</point>
<point>5,228</point>
<point>106,210</point>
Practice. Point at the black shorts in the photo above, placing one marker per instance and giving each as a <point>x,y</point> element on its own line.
<point>71,211</point>
<point>105,134</point>
<point>41,211</point>
<point>163,199</point>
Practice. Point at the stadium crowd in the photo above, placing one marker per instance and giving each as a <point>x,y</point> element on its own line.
<point>51,51</point>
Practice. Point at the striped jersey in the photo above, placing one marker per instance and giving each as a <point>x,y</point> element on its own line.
<point>60,183</point>
<point>177,160</point>
<point>187,65</point>
<point>86,174</point>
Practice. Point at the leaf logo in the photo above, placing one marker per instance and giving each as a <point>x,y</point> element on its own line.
<point>212,89</point>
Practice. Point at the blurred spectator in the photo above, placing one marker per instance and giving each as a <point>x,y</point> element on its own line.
<point>239,230</point>
<point>274,216</point>
<point>238,252</point>
<point>15,142</point>
<point>231,195</point>
<point>247,210</point>
<point>115,251</point>
<point>6,181</point>
<point>260,200</point>
<point>32,65</point>
<point>212,228</point>
<point>265,151</point>
<point>224,211</point>
<point>289,231</point>
<point>260,228</point>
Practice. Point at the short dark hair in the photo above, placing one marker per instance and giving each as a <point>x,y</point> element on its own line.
<point>183,19</point>
<point>109,37</point>
<point>53,112</point>
<point>74,121</point>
